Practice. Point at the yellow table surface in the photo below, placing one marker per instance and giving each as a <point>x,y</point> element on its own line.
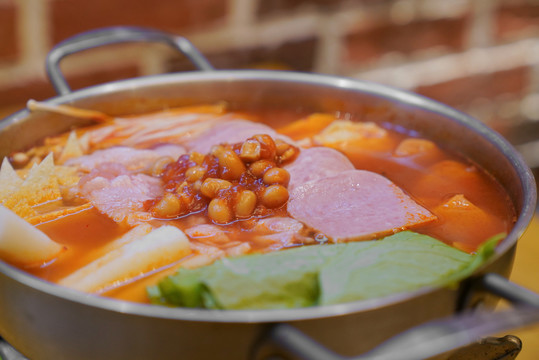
<point>526,273</point>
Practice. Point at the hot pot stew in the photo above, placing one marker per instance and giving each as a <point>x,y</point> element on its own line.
<point>203,206</point>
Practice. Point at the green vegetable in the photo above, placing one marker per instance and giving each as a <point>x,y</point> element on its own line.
<point>401,262</point>
<point>277,280</point>
<point>320,274</point>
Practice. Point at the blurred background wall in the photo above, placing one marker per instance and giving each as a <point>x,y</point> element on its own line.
<point>481,56</point>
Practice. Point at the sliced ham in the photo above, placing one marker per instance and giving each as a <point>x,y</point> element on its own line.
<point>106,170</point>
<point>172,150</point>
<point>275,233</point>
<point>316,163</point>
<point>278,224</point>
<point>354,205</point>
<point>231,132</point>
<point>117,193</point>
<point>147,130</point>
<point>208,234</point>
<point>132,159</point>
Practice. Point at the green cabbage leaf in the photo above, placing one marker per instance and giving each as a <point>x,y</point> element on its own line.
<point>321,274</point>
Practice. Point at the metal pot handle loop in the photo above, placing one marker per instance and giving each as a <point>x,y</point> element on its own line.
<point>115,35</point>
<point>426,340</point>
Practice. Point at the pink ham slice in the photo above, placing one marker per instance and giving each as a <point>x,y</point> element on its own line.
<point>132,159</point>
<point>231,132</point>
<point>355,205</point>
<point>172,150</point>
<point>118,193</point>
<point>316,163</point>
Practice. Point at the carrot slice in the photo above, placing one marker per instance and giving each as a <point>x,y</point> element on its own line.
<point>307,127</point>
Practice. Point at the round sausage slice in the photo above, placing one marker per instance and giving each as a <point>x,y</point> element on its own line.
<point>355,205</point>
<point>316,163</point>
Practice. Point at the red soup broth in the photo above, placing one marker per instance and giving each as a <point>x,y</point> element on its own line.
<point>470,205</point>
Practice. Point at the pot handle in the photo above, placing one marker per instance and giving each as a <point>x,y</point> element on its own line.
<point>426,340</point>
<point>115,35</point>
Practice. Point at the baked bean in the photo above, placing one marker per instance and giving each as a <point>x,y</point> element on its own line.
<point>230,182</point>
<point>211,164</point>
<point>267,146</point>
<point>219,211</point>
<point>160,164</point>
<point>281,147</point>
<point>250,150</point>
<point>276,175</point>
<point>169,206</point>
<point>196,157</point>
<point>259,168</point>
<point>19,159</point>
<point>182,187</point>
<point>197,185</point>
<point>211,186</point>
<point>186,198</point>
<point>194,173</point>
<point>231,165</point>
<point>245,204</point>
<point>289,155</point>
<point>274,196</point>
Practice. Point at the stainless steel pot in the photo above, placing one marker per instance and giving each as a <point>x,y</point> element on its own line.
<point>46,321</point>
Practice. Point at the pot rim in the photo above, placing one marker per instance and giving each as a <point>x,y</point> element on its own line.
<point>280,315</point>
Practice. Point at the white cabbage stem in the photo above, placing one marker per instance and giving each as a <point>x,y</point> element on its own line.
<point>22,243</point>
<point>158,248</point>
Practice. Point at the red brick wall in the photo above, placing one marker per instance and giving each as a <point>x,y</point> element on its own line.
<point>480,56</point>
<point>367,45</point>
<point>170,15</point>
<point>517,19</point>
<point>8,50</point>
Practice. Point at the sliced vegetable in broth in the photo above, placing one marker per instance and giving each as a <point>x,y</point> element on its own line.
<point>131,200</point>
<point>320,275</point>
